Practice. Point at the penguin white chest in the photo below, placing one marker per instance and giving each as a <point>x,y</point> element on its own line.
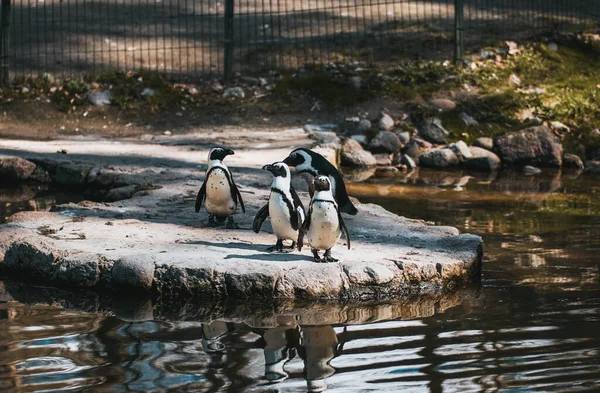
<point>218,194</point>
<point>280,218</point>
<point>324,230</point>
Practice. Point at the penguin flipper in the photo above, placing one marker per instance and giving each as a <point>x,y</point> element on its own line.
<point>344,228</point>
<point>303,228</point>
<point>201,196</point>
<point>349,208</point>
<point>298,210</point>
<point>260,217</point>
<point>237,195</point>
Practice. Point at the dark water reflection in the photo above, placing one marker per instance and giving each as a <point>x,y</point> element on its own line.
<point>534,325</point>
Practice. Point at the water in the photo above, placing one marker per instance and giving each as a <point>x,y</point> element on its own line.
<point>533,325</point>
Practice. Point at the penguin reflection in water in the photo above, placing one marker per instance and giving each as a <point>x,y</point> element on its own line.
<point>284,207</point>
<point>324,223</point>
<point>219,193</point>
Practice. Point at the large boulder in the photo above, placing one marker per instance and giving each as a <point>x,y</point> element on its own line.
<point>438,158</point>
<point>385,142</point>
<point>482,160</point>
<point>15,168</point>
<point>433,131</point>
<point>353,155</point>
<point>536,146</point>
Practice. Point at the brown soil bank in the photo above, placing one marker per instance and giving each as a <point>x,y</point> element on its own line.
<point>153,241</point>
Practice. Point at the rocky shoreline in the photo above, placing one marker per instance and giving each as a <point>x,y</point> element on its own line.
<point>143,235</point>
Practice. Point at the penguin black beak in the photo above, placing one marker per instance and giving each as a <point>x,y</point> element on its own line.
<point>288,160</point>
<point>229,152</point>
<point>268,167</point>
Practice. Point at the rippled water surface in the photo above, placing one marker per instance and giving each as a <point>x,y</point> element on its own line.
<point>533,325</point>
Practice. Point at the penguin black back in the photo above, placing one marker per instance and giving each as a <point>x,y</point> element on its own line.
<point>314,164</point>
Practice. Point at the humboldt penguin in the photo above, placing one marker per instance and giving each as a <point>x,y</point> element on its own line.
<point>219,193</point>
<point>324,223</point>
<point>284,207</point>
<point>310,165</point>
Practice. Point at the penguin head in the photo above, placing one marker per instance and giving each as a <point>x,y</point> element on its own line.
<point>278,169</point>
<point>322,183</point>
<point>219,153</point>
<point>297,157</point>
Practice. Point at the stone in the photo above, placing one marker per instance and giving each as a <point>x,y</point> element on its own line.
<point>423,144</point>
<point>72,174</point>
<point>531,170</point>
<point>148,92</point>
<point>325,137</point>
<point>234,92</point>
<point>216,86</point>
<point>136,271</point>
<point>536,146</point>
<point>385,123</point>
<point>386,170</point>
<point>406,161</point>
<point>403,136</point>
<point>558,126</point>
<point>250,81</point>
<point>514,80</point>
<point>552,47</point>
<point>461,150</point>
<point>355,82</point>
<point>100,98</point>
<point>385,142</point>
<point>442,104</point>
<point>438,158</point>
<point>364,126</point>
<point>513,47</point>
<point>120,193</point>
<point>468,120</point>
<point>572,161</point>
<point>15,169</point>
<point>329,127</point>
<point>433,131</point>
<point>592,166</point>
<point>482,160</point>
<point>412,149</point>
<point>484,142</point>
<point>353,155</point>
<point>383,159</point>
<point>362,139</point>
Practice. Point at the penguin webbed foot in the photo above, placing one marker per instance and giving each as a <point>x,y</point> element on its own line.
<point>316,255</point>
<point>211,221</point>
<point>277,247</point>
<point>231,224</point>
<point>328,258</point>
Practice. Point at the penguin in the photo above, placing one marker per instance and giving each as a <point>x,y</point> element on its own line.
<point>284,207</point>
<point>310,164</point>
<point>219,193</point>
<point>324,223</point>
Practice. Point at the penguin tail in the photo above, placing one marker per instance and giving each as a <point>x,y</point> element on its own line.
<point>349,208</point>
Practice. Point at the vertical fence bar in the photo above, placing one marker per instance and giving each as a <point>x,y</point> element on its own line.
<point>459,39</point>
<point>228,59</point>
<point>4,41</point>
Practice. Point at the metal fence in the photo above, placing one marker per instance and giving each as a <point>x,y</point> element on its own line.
<point>207,38</point>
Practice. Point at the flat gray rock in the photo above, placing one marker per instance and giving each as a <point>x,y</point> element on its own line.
<point>87,244</point>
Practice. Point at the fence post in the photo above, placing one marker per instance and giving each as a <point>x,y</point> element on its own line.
<point>4,41</point>
<point>459,39</point>
<point>228,58</point>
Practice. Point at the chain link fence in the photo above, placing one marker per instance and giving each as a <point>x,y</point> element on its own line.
<point>206,38</point>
